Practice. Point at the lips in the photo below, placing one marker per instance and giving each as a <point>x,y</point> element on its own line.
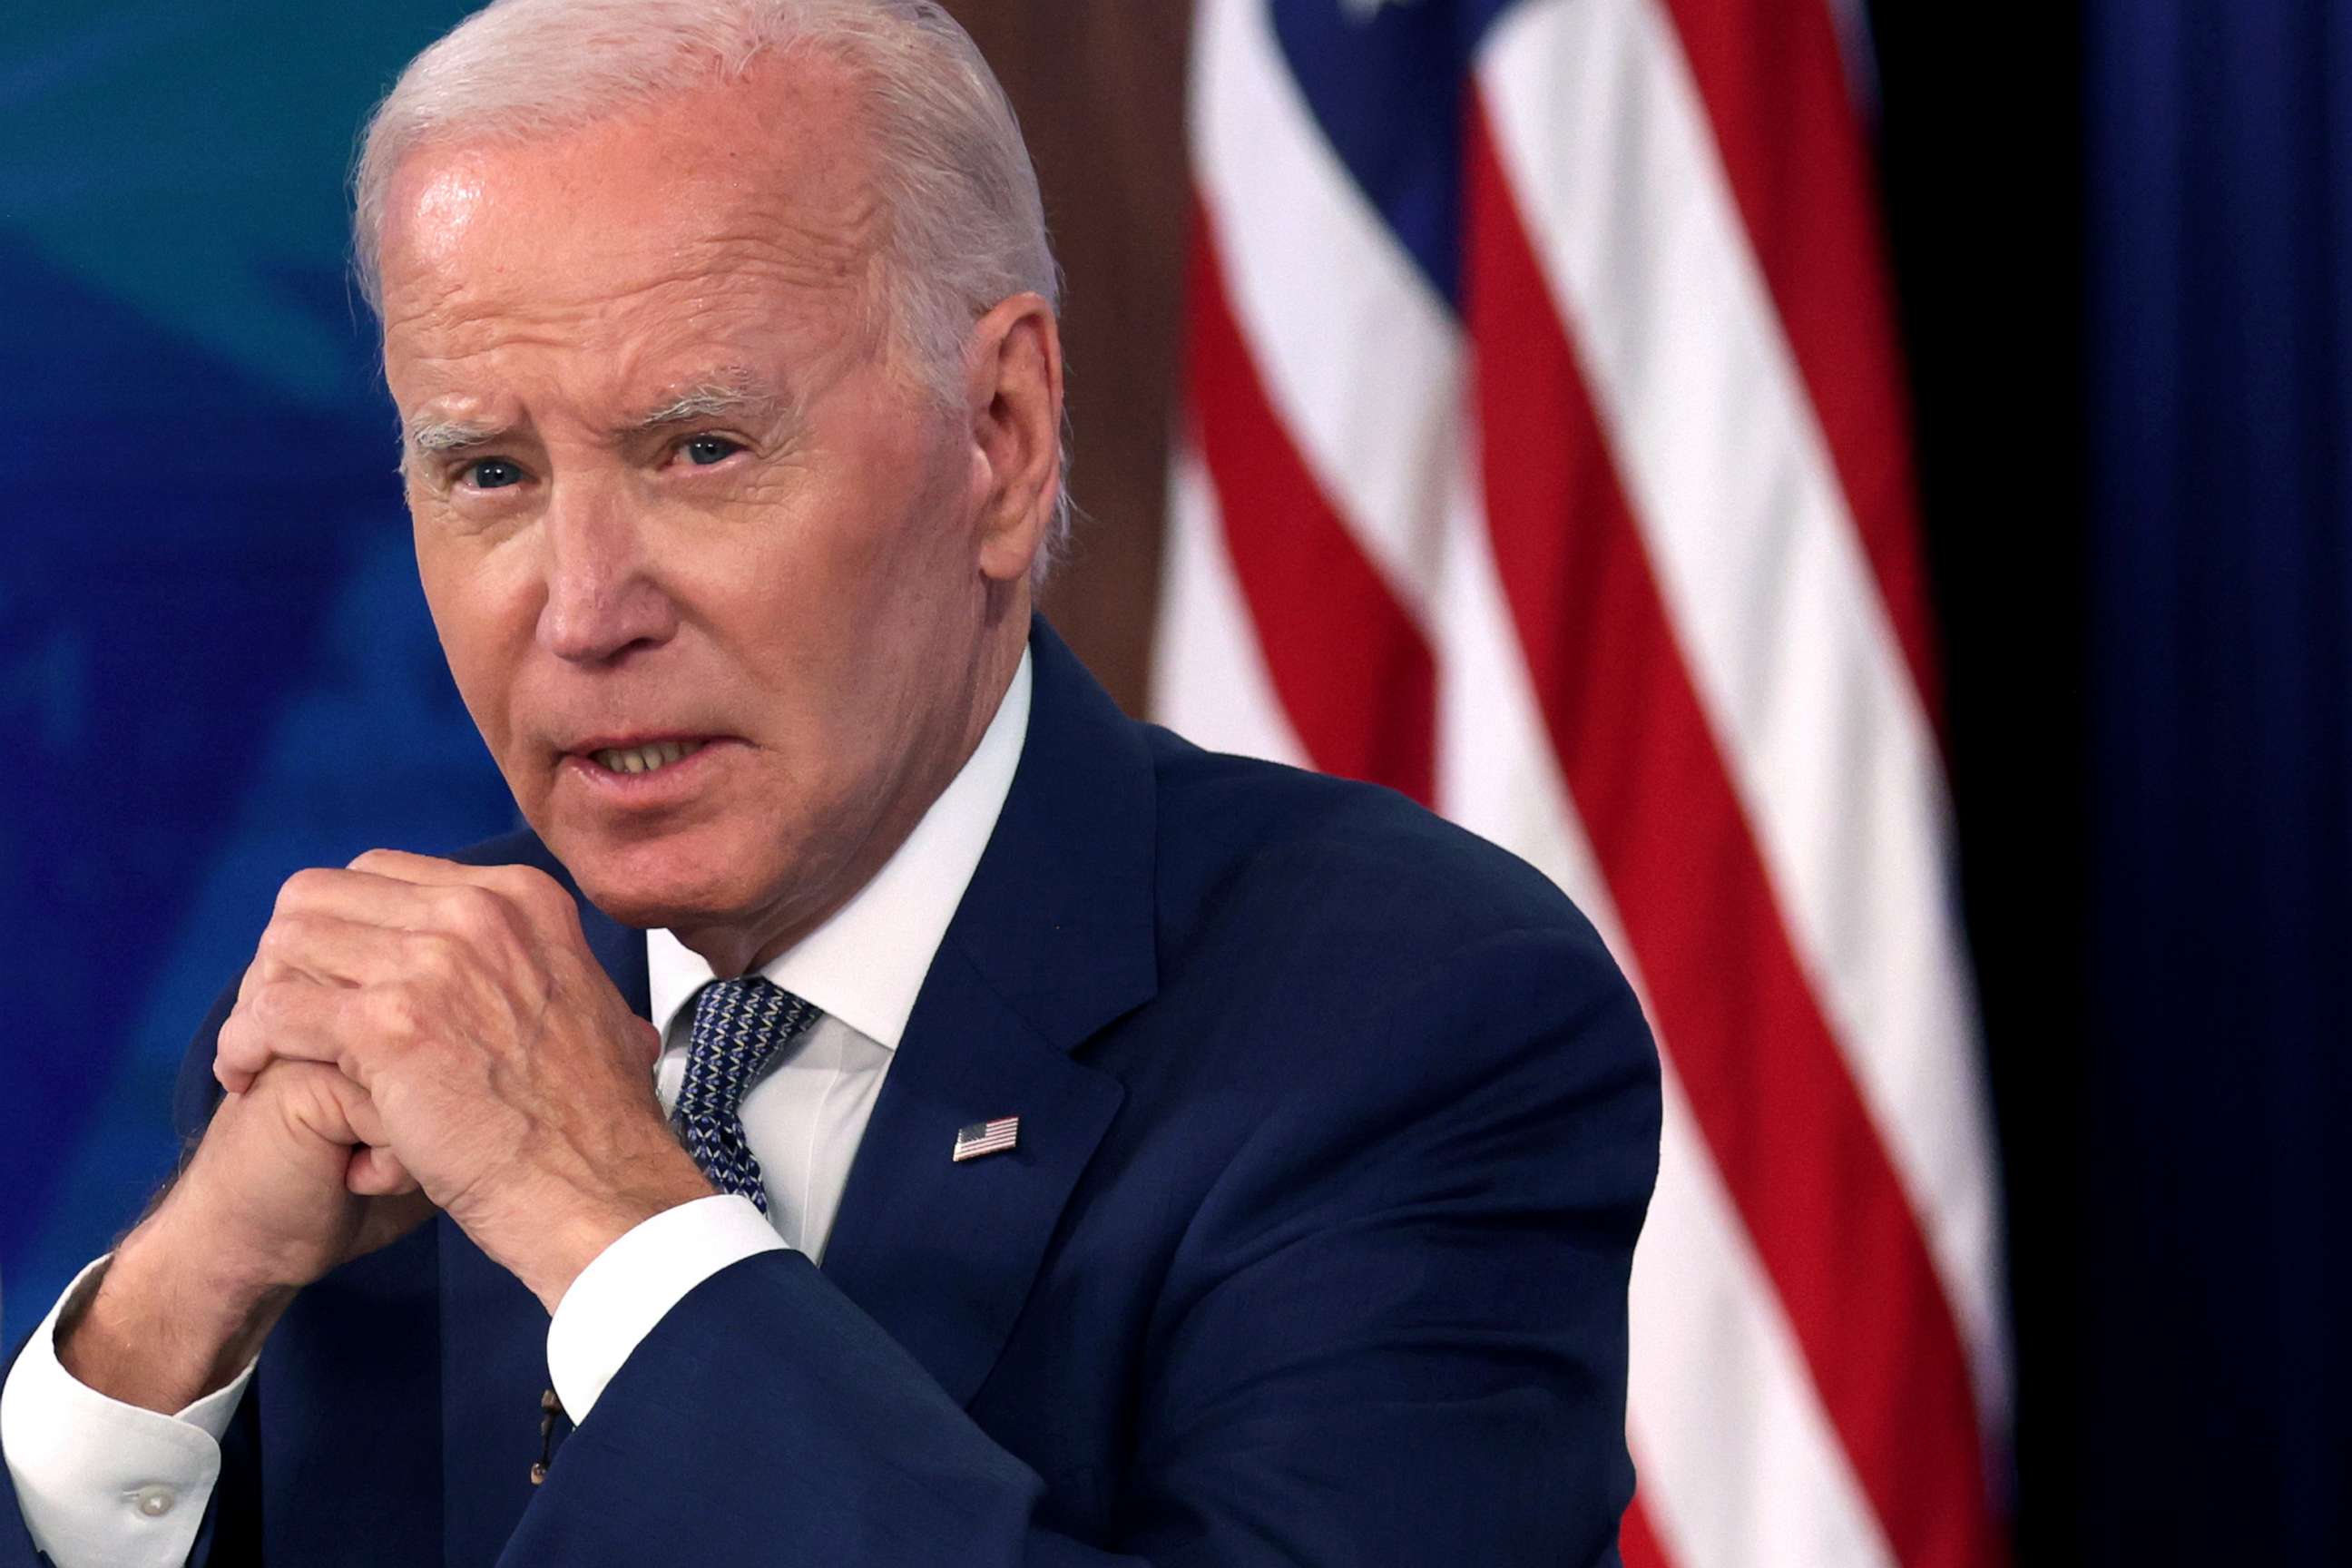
<point>651,757</point>
<point>633,761</point>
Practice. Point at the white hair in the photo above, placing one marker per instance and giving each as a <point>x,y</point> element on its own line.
<point>963,226</point>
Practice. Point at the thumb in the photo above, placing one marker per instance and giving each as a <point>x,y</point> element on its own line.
<point>645,1038</point>
<point>377,1172</point>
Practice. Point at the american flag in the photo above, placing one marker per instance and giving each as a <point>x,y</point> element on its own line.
<point>986,1138</point>
<point>1546,457</point>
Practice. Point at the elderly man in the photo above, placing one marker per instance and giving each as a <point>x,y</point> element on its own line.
<point>945,1121</point>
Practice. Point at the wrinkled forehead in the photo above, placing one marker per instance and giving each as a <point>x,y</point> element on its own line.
<point>744,208</point>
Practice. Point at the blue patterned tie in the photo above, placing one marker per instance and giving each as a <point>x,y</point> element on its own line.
<point>739,1027</point>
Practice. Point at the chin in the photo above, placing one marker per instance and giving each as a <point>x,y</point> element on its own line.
<point>663,881</point>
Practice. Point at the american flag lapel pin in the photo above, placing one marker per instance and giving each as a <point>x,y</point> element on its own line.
<point>987,1138</point>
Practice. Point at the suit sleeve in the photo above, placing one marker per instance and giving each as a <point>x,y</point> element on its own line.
<point>1393,1333</point>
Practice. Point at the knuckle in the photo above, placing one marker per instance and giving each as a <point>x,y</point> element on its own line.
<point>476,914</point>
<point>541,893</point>
<point>307,1090</point>
<point>301,888</point>
<point>259,1019</point>
<point>283,931</point>
<point>264,1002</point>
<point>433,955</point>
<point>518,888</point>
<point>394,1014</point>
<point>526,894</point>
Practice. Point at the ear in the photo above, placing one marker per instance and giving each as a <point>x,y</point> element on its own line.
<point>1013,393</point>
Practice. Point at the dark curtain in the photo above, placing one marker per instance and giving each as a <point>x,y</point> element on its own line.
<point>2219,1195</point>
<point>2123,239</point>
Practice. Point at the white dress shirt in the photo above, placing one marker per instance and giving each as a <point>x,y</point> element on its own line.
<point>102,1484</point>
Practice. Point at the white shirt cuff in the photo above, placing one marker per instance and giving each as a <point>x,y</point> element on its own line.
<point>632,1285</point>
<point>102,1484</point>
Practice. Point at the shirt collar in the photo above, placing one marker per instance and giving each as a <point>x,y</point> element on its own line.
<point>865,964</point>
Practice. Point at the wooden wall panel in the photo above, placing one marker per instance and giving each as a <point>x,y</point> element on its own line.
<point>1099,86</point>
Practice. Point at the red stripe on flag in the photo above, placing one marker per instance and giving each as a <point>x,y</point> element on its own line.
<point>1353,671</point>
<point>1773,78</point>
<point>1637,1544</point>
<point>1766,1083</point>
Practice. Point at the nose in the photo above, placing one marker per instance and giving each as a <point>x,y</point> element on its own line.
<point>603,596</point>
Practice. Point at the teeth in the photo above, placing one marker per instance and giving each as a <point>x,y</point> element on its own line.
<point>645,758</point>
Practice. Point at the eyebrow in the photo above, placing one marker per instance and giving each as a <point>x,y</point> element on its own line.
<point>713,399</point>
<point>729,393</point>
<point>431,438</point>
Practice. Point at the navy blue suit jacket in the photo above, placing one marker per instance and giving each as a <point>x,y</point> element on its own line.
<point>1337,1128</point>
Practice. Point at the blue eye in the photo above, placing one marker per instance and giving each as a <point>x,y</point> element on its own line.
<point>704,450</point>
<point>493,474</point>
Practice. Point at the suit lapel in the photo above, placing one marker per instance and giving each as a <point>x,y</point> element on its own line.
<point>494,1333</point>
<point>1052,941</point>
<point>940,1254</point>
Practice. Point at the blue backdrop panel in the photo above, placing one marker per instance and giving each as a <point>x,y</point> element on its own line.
<point>2217,1366</point>
<point>215,663</point>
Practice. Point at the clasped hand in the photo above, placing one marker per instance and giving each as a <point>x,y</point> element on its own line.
<point>449,1025</point>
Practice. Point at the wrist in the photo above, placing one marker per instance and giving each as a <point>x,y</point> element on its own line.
<point>578,1231</point>
<point>161,1327</point>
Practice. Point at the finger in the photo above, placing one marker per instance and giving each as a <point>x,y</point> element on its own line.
<point>336,1111</point>
<point>431,870</point>
<point>233,1069</point>
<point>332,1108</point>
<point>376,1173</point>
<point>330,950</point>
<point>397,904</point>
<point>263,1030</point>
<point>324,950</point>
<point>533,892</point>
<point>360,1114</point>
<point>233,1076</point>
<point>300,1021</point>
<point>321,1101</point>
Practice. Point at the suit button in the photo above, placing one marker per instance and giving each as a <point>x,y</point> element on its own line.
<point>154,1501</point>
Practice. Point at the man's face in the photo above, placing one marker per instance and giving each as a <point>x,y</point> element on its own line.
<point>672,494</point>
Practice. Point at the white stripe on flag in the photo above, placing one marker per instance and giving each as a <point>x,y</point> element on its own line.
<point>1729,1435</point>
<point>1739,1465</point>
<point>1308,264</point>
<point>1608,147</point>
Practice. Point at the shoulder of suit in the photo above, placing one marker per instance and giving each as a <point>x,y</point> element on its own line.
<point>1248,841</point>
<point>1316,932</point>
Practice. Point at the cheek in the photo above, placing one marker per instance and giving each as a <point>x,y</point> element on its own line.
<point>844,564</point>
<point>914,554</point>
<point>477,623</point>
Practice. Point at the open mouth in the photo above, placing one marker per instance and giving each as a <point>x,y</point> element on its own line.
<point>647,758</point>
